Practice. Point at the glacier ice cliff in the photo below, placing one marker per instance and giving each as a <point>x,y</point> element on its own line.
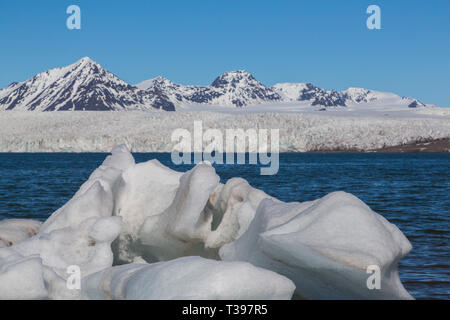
<point>151,131</point>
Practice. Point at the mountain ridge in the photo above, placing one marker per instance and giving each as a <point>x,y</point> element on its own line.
<point>86,85</point>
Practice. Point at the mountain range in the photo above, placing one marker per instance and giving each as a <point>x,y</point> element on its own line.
<point>85,85</point>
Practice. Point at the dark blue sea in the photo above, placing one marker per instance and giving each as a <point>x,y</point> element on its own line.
<point>410,190</point>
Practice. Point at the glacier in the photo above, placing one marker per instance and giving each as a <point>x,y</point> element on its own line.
<point>351,128</point>
<point>144,231</point>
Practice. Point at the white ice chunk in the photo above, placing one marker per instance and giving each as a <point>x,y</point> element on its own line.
<point>233,207</point>
<point>94,202</point>
<point>183,227</point>
<point>325,247</point>
<point>95,197</point>
<point>15,230</point>
<point>144,190</point>
<point>22,279</point>
<point>87,246</point>
<point>110,283</point>
<point>150,213</point>
<point>120,158</point>
<point>188,278</point>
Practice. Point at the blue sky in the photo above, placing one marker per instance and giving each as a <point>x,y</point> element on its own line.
<point>191,42</point>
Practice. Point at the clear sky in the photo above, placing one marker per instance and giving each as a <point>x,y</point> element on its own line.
<point>191,42</point>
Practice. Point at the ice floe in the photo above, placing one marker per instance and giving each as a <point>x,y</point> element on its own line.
<point>16,230</point>
<point>325,247</point>
<point>144,231</point>
<point>187,278</point>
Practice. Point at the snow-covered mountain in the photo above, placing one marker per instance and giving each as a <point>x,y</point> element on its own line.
<point>360,95</point>
<point>309,92</point>
<point>176,93</point>
<point>235,88</point>
<point>319,97</point>
<point>85,85</point>
<point>241,88</point>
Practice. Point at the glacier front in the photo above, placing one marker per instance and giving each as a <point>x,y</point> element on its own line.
<point>301,128</point>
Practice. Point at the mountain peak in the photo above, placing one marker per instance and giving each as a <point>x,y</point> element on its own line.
<point>356,90</point>
<point>86,60</point>
<point>159,81</point>
<point>85,85</point>
<point>159,78</point>
<point>237,74</point>
<point>232,78</point>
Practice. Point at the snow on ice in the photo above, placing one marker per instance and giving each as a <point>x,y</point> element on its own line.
<point>144,231</point>
<point>301,128</point>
